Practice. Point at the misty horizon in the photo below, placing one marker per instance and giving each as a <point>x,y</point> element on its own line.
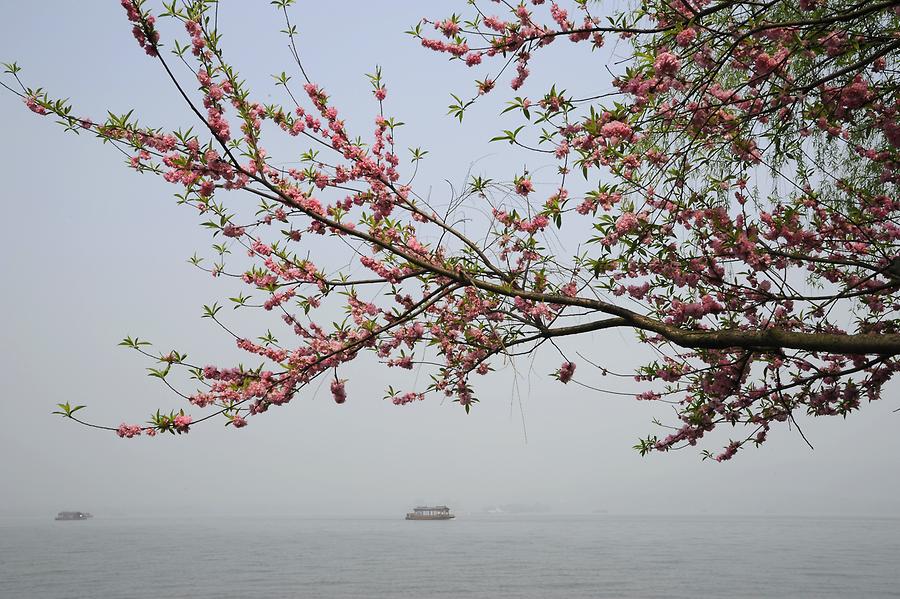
<point>94,252</point>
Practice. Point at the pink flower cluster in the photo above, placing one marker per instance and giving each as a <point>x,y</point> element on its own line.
<point>338,391</point>
<point>182,423</point>
<point>402,400</point>
<point>144,31</point>
<point>32,103</point>
<point>128,430</point>
<point>566,371</point>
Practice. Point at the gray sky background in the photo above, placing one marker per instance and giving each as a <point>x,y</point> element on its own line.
<point>92,252</point>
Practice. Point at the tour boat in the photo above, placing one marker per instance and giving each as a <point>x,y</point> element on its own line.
<point>438,512</point>
<point>73,516</point>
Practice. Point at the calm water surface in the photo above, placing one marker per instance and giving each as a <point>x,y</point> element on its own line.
<point>472,556</point>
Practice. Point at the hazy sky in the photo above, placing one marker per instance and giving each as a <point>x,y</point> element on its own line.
<point>92,252</point>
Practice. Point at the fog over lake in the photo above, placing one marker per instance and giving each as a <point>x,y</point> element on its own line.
<point>93,252</point>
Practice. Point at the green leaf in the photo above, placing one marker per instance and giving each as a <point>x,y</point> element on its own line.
<point>211,311</point>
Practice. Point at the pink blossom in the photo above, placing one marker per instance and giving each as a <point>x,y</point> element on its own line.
<point>32,104</point>
<point>524,186</point>
<point>615,131</point>
<point>560,16</point>
<point>566,371</point>
<point>215,92</point>
<point>449,27</point>
<point>402,400</point>
<point>232,231</point>
<point>729,452</point>
<point>182,423</point>
<point>128,430</point>
<point>666,64</point>
<point>338,391</point>
<point>686,36</point>
<point>626,222</point>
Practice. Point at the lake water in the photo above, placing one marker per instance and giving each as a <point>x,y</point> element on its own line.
<point>472,556</point>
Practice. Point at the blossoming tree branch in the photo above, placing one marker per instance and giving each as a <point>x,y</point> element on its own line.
<point>734,178</point>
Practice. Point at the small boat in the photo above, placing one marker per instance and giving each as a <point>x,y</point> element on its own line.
<point>73,516</point>
<point>438,512</point>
